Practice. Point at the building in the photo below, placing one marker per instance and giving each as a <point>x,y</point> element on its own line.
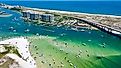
<point>47,17</point>
<point>26,14</point>
<point>34,16</point>
<point>30,15</point>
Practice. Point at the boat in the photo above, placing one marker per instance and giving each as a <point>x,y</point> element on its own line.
<point>15,19</point>
<point>75,29</point>
<point>11,28</point>
<point>27,30</point>
<point>115,32</point>
<point>82,30</point>
<point>62,34</point>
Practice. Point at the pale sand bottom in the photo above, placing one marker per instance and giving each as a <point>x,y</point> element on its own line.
<point>49,52</point>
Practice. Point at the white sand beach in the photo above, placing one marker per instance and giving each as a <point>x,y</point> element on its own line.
<point>6,15</point>
<point>22,46</point>
<point>64,12</point>
<point>69,12</point>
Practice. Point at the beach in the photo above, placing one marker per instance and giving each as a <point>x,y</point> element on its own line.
<point>42,46</point>
<point>46,52</point>
<point>112,21</point>
<point>69,12</point>
<point>5,15</point>
<point>108,20</point>
<point>22,46</point>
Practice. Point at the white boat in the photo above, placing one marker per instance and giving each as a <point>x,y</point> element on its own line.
<point>27,30</point>
<point>15,19</point>
<point>82,30</point>
<point>115,32</point>
<point>74,29</point>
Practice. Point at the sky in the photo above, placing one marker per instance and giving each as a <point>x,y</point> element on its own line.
<point>60,0</point>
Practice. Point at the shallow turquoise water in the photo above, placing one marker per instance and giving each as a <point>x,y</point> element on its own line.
<point>92,38</point>
<point>19,25</point>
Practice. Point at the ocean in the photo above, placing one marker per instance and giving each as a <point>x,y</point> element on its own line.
<point>98,57</point>
<point>95,7</point>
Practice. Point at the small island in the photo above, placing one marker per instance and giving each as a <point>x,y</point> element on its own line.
<point>4,14</point>
<point>45,38</point>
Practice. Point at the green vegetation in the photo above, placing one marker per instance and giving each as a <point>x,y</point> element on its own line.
<point>60,17</point>
<point>16,9</point>
<point>10,49</point>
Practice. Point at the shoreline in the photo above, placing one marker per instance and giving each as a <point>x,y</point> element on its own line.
<point>69,12</point>
<point>108,20</point>
<point>62,11</point>
<point>6,15</point>
<point>22,46</point>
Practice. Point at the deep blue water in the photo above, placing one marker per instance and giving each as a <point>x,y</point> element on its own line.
<point>112,43</point>
<point>98,7</point>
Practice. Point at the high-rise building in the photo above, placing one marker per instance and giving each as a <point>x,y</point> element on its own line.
<point>26,14</point>
<point>34,16</point>
<point>47,17</point>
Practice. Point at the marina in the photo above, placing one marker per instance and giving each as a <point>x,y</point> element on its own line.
<point>100,26</point>
<point>57,39</point>
<point>36,14</point>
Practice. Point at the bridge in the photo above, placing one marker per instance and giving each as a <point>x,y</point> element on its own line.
<point>100,26</point>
